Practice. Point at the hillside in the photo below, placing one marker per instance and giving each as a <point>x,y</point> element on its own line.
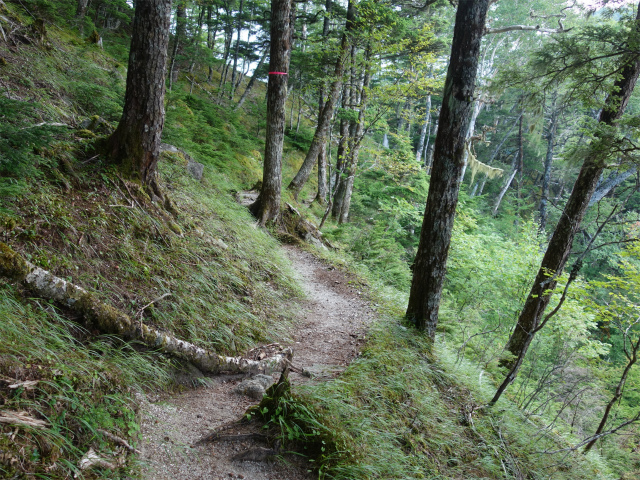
<point>382,402</point>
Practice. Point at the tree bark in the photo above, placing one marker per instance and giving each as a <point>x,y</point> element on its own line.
<point>516,167</point>
<point>322,174</point>
<point>559,247</point>
<point>135,145</point>
<point>112,321</point>
<point>546,179</point>
<point>253,79</point>
<point>497,150</point>
<point>267,207</point>
<point>81,9</point>
<point>324,121</point>
<point>428,163</point>
<point>236,52</point>
<point>435,238</point>
<point>423,132</point>
<point>211,35</point>
<point>615,179</point>
<point>181,25</point>
<point>356,141</point>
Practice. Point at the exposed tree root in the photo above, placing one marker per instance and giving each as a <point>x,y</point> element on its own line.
<point>110,320</point>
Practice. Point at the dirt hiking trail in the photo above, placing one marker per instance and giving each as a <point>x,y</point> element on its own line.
<point>331,327</point>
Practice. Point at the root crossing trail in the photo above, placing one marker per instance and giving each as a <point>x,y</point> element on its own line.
<point>331,328</point>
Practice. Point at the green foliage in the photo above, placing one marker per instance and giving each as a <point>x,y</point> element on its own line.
<point>216,137</point>
<point>20,141</point>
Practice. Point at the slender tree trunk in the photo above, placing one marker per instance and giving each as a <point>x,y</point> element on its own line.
<point>341,161</point>
<point>135,145</point>
<point>81,9</point>
<point>477,108</point>
<point>236,52</point>
<point>181,23</point>
<point>497,150</point>
<point>559,247</point>
<point>195,41</point>
<point>429,160</point>
<point>228,38</point>
<point>267,207</point>
<point>327,112</point>
<point>253,79</point>
<point>632,359</point>
<point>548,160</point>
<point>423,132</point>
<point>516,166</point>
<point>505,187</point>
<point>211,35</point>
<point>357,138</point>
<point>321,197</point>
<point>435,238</point>
<point>610,183</point>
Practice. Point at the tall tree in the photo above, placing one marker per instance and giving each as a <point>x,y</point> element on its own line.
<point>267,207</point>
<point>530,320</point>
<point>135,145</point>
<point>324,121</point>
<point>435,238</point>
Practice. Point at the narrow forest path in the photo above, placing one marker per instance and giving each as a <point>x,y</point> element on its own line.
<point>332,325</point>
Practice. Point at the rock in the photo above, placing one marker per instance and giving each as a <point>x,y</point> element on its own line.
<point>254,387</point>
<point>165,147</point>
<point>195,169</point>
<point>316,242</point>
<point>95,124</point>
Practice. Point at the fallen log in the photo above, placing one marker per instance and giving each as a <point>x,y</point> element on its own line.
<point>108,319</point>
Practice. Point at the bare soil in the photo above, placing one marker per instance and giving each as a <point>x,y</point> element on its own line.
<point>333,323</point>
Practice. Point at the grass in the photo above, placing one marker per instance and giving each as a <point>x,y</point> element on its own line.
<point>397,412</point>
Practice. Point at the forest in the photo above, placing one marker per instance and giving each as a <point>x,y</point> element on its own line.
<point>468,169</point>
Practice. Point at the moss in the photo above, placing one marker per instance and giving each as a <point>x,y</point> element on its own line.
<point>84,133</point>
<point>12,265</point>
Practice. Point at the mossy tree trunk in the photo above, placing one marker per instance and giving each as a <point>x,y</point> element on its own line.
<point>435,238</point>
<point>135,145</point>
<point>267,207</point>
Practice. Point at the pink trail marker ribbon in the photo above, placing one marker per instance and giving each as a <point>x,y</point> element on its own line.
<point>278,73</point>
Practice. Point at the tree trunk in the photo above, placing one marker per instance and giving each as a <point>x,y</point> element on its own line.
<point>267,207</point>
<point>559,247</point>
<point>253,79</point>
<point>610,183</point>
<point>423,132</point>
<point>477,108</point>
<point>435,238</point>
<point>322,174</point>
<point>356,141</point>
<point>429,160</point>
<point>228,38</point>
<point>181,24</point>
<point>211,35</point>
<point>135,145</point>
<point>632,359</point>
<point>548,160</point>
<point>516,167</point>
<point>327,112</point>
<point>81,9</point>
<point>505,187</point>
<point>236,52</point>
<point>112,321</point>
<point>497,150</point>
